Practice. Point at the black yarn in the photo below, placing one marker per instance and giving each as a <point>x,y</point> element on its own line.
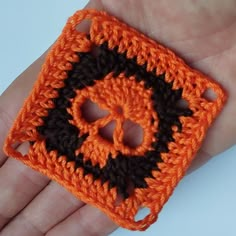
<point>65,138</point>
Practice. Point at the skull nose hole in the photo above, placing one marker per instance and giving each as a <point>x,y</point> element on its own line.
<point>107,131</point>
<point>133,134</point>
<point>91,111</point>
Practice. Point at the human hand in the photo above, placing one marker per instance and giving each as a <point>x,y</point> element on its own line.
<point>198,34</point>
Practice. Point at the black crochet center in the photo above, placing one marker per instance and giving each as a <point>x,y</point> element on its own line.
<point>122,170</point>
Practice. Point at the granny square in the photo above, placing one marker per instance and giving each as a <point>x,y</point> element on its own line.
<point>133,78</point>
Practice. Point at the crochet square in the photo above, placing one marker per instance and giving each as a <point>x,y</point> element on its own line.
<point>115,67</point>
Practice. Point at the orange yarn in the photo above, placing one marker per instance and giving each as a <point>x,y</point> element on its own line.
<point>162,158</point>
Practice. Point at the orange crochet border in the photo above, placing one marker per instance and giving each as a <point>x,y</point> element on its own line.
<point>105,28</point>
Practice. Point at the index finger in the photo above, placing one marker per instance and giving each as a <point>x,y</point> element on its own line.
<point>12,99</point>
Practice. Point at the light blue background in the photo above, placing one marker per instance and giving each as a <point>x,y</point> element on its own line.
<point>202,204</point>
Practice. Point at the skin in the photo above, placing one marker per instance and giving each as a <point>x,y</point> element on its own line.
<point>202,32</point>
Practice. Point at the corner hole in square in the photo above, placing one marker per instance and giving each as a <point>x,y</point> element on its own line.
<point>209,94</point>
<point>84,26</point>
<point>23,148</point>
<point>142,213</point>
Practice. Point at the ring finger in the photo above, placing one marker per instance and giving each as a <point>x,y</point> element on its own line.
<point>51,206</point>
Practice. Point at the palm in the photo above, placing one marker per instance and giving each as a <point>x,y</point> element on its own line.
<point>203,34</point>
<point>205,40</point>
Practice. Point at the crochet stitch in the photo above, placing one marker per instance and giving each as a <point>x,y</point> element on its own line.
<point>132,78</point>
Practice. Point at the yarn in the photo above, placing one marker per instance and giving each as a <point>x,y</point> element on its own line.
<point>130,72</point>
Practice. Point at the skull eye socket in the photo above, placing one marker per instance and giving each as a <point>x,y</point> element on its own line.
<point>91,111</point>
<point>133,134</point>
